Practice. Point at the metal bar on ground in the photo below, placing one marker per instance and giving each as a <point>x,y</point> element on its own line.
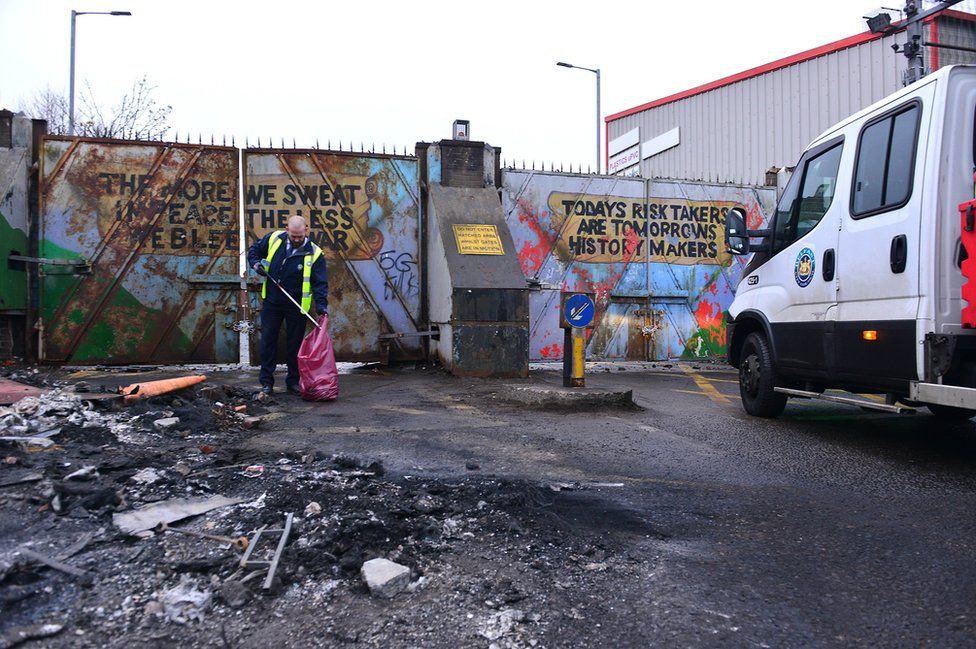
<point>851,401</point>
<point>277,555</point>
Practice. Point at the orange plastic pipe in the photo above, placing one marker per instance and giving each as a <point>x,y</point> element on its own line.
<point>148,389</point>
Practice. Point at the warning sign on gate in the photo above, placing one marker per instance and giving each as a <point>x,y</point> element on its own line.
<point>477,239</point>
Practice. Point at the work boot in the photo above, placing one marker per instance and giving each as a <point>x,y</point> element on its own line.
<point>293,388</point>
<point>266,389</point>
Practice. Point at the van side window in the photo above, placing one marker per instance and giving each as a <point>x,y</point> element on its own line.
<point>885,162</point>
<point>807,197</point>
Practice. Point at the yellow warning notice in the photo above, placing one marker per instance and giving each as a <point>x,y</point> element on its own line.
<point>477,239</point>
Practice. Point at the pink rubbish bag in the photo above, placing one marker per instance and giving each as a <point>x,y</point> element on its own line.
<point>318,377</point>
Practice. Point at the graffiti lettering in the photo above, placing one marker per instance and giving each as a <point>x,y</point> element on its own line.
<point>400,271</point>
<point>337,214</point>
<point>195,216</point>
<point>608,229</point>
<point>193,239</point>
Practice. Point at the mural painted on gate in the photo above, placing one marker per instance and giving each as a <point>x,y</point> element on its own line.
<point>363,211</point>
<point>14,165</point>
<point>652,252</point>
<point>147,217</point>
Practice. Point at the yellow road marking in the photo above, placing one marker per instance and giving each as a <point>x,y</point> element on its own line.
<point>873,397</point>
<point>406,411</point>
<point>703,384</point>
<point>724,381</point>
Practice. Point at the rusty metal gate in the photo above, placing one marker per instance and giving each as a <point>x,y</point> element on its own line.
<point>141,245</point>
<point>364,212</point>
<point>652,251</point>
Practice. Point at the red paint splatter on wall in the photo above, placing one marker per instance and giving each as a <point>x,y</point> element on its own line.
<point>711,323</point>
<point>754,217</point>
<point>532,255</point>
<point>551,351</point>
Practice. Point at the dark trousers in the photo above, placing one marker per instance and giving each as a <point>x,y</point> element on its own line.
<point>271,317</point>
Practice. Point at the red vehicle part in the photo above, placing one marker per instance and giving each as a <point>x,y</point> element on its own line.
<point>967,217</point>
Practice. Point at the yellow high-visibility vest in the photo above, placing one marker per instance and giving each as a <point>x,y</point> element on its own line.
<point>273,244</point>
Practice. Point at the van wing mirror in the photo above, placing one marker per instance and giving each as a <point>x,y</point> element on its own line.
<point>736,234</point>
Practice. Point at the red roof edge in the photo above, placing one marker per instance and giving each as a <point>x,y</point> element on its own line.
<point>958,15</point>
<point>829,48</point>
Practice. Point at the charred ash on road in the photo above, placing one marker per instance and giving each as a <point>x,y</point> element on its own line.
<point>492,562</point>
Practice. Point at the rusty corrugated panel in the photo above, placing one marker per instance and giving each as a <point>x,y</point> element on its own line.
<point>735,133</point>
<point>662,282</point>
<point>149,217</point>
<point>364,213</point>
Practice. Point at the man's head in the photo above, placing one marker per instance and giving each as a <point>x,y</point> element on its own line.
<point>297,229</point>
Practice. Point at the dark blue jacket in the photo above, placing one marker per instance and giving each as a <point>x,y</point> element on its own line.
<point>289,272</point>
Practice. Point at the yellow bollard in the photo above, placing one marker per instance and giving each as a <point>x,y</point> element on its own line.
<point>578,312</point>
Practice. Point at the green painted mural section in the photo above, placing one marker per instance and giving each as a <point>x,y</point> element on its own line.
<point>13,283</point>
<point>125,329</point>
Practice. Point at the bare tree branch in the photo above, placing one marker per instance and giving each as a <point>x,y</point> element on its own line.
<point>137,116</point>
<point>50,105</point>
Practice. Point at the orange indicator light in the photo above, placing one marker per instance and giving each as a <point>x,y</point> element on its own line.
<point>869,334</point>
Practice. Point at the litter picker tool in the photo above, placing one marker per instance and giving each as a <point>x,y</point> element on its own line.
<point>293,301</point>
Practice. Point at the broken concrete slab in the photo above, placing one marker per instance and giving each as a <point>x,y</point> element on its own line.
<point>169,511</point>
<point>556,397</point>
<point>13,391</point>
<point>384,577</point>
<point>166,424</point>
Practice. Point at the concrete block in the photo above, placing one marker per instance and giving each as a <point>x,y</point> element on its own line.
<point>384,577</point>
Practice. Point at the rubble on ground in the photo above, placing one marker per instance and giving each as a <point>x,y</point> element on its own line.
<point>127,532</point>
<point>385,578</point>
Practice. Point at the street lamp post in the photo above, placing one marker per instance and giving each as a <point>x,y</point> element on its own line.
<point>595,71</point>
<point>71,76</point>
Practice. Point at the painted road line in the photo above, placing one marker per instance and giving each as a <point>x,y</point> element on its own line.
<point>705,386</point>
<point>401,409</point>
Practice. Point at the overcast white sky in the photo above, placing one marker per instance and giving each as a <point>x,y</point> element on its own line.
<point>399,72</point>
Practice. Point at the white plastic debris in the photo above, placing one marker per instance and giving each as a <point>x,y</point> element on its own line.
<point>184,603</point>
<point>500,624</point>
<point>146,476</point>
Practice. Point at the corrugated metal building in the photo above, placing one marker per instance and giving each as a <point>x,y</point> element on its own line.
<point>735,129</point>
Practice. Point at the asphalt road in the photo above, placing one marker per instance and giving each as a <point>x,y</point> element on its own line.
<point>830,526</point>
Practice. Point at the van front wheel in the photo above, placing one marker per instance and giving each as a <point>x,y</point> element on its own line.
<point>757,378</point>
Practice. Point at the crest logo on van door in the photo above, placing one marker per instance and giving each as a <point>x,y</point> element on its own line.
<point>803,268</point>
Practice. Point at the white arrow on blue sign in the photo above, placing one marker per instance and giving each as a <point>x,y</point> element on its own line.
<point>580,310</point>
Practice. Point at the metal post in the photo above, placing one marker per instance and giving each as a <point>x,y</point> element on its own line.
<point>71,74</point>
<point>71,78</point>
<point>595,71</point>
<point>598,156</point>
<point>574,358</point>
<point>913,47</point>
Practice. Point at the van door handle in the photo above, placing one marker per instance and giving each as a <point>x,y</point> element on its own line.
<point>828,265</point>
<point>899,253</point>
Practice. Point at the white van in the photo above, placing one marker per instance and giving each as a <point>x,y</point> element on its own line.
<point>857,282</point>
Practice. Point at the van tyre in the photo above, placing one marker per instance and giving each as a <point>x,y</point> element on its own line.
<point>950,413</point>
<point>757,378</point>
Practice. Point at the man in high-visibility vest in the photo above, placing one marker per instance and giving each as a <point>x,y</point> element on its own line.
<point>290,257</point>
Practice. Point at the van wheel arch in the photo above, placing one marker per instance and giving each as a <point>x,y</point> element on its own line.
<point>747,323</point>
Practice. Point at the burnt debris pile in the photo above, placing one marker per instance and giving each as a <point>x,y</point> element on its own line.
<point>154,522</point>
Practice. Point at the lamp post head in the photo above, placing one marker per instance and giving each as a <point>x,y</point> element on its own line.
<point>120,13</point>
<point>565,65</point>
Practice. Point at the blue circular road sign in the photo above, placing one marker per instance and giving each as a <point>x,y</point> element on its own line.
<point>580,310</point>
